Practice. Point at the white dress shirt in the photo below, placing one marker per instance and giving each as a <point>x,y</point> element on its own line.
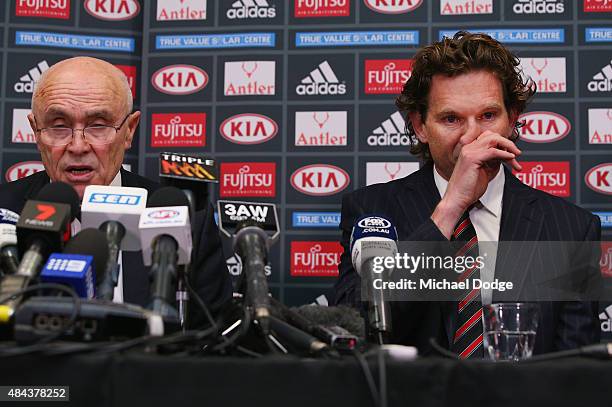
<point>486,218</point>
<point>76,228</point>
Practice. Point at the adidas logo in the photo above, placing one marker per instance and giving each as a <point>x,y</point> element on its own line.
<point>602,82</point>
<point>27,81</point>
<point>234,266</point>
<point>390,133</point>
<point>251,9</point>
<point>606,319</point>
<point>321,81</point>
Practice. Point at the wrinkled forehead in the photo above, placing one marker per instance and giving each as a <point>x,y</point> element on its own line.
<point>78,91</point>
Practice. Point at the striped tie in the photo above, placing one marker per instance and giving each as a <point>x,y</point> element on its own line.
<point>467,341</point>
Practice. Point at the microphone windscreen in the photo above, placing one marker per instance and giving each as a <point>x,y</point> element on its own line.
<point>342,316</point>
<point>90,242</point>
<point>167,196</point>
<point>60,192</point>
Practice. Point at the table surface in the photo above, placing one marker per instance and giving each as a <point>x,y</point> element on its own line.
<point>138,379</point>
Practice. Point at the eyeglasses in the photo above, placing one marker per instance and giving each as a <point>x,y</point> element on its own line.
<point>98,134</point>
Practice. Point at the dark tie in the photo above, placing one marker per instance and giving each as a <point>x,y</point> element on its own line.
<point>467,342</point>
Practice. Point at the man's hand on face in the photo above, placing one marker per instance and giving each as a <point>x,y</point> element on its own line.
<point>477,164</point>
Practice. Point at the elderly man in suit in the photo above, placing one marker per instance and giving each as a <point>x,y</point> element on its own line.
<point>462,103</point>
<point>83,122</point>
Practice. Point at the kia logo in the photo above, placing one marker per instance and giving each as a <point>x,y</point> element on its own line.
<point>112,10</point>
<point>319,179</point>
<point>374,222</point>
<point>23,169</point>
<point>164,214</point>
<point>599,178</point>
<point>248,128</point>
<point>392,6</point>
<point>179,79</point>
<point>543,127</point>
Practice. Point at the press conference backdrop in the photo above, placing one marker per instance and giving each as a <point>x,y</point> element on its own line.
<point>295,99</point>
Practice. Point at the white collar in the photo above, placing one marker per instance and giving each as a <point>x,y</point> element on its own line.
<point>491,200</point>
<point>116,182</point>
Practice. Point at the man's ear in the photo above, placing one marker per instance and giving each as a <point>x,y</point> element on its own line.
<point>419,126</point>
<point>132,124</point>
<point>33,126</point>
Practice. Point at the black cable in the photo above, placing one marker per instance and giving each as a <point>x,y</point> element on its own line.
<point>443,352</point>
<point>365,368</point>
<point>41,344</point>
<point>193,294</point>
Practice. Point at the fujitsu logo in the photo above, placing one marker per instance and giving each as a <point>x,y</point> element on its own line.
<point>43,8</point>
<point>112,10</point>
<point>547,73</point>
<point>599,178</point>
<point>315,259</point>
<point>319,179</point>
<point>322,8</point>
<point>248,179</point>
<point>386,76</point>
<point>249,78</point>
<point>321,81</point>
<point>549,176</point>
<point>543,127</point>
<point>597,6</point>
<point>179,79</point>
<point>178,129</point>
<point>321,128</point>
<point>130,73</point>
<point>248,128</point>
<point>600,126</point>
<point>393,6</point>
<point>242,9</point>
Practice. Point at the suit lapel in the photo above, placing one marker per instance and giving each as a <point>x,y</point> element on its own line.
<point>521,222</point>
<point>38,182</point>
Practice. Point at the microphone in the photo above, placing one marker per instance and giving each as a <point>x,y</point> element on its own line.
<point>43,227</point>
<point>9,255</point>
<point>165,234</point>
<point>298,339</point>
<point>335,336</point>
<point>247,223</point>
<point>374,236</point>
<point>115,211</point>
<point>86,250</point>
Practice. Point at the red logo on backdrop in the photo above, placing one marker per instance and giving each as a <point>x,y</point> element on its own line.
<point>599,178</point>
<point>112,10</point>
<point>59,9</point>
<point>248,180</point>
<point>543,127</point>
<point>386,76</point>
<point>320,179</point>
<point>392,6</point>
<point>130,73</point>
<point>179,79</point>
<point>322,8</point>
<point>315,259</point>
<point>45,212</point>
<point>23,169</point>
<point>548,176</point>
<point>178,130</point>
<point>605,263</point>
<point>248,128</point>
<point>597,6</point>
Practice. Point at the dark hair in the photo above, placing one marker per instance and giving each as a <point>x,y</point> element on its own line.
<point>465,52</point>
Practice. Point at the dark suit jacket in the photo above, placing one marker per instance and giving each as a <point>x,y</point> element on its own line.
<point>527,215</point>
<point>208,273</point>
